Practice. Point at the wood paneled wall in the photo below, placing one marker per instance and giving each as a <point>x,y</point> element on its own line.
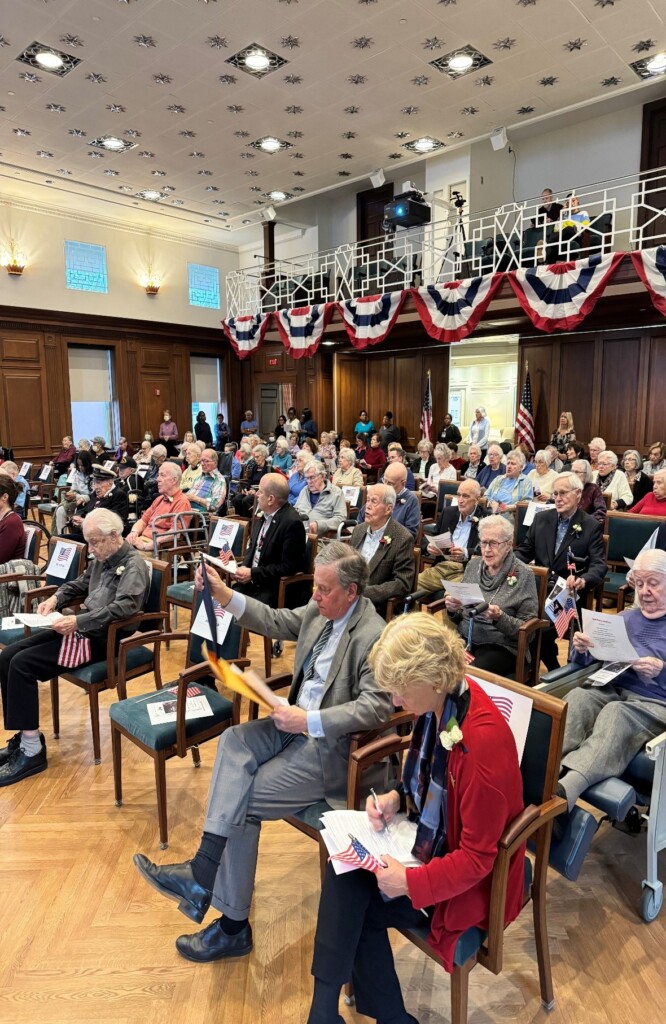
<point>612,381</point>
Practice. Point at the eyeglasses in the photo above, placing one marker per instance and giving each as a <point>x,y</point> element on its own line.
<point>493,544</point>
<point>560,494</point>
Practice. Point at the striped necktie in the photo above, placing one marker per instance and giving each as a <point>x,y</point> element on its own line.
<point>322,640</point>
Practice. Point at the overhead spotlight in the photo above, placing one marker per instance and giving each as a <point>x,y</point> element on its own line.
<point>498,138</point>
<point>378,178</point>
<point>257,60</point>
<point>48,60</point>
<point>657,64</point>
<point>461,62</point>
<point>269,213</point>
<point>270,144</point>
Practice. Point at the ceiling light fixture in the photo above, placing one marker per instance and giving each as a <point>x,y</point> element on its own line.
<point>656,65</point>
<point>46,58</point>
<point>112,143</point>
<point>151,195</point>
<point>277,195</point>
<point>256,60</point>
<point>425,144</point>
<point>269,144</point>
<point>460,62</point>
<point>49,61</point>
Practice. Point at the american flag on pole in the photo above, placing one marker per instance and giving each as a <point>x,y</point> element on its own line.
<point>525,417</point>
<point>357,855</point>
<point>426,412</point>
<point>564,617</point>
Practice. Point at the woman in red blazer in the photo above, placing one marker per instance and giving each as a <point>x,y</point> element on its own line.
<point>462,785</point>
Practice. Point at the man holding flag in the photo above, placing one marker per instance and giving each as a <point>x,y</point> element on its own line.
<point>569,543</point>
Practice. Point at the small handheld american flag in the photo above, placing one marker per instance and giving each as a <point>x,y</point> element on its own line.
<point>357,855</point>
<point>564,617</point>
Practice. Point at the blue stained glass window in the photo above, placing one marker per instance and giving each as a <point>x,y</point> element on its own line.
<point>204,285</point>
<point>85,267</point>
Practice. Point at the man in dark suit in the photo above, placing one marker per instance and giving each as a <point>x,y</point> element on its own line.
<point>277,543</point>
<point>386,546</point>
<point>462,522</point>
<point>107,493</point>
<point>550,538</point>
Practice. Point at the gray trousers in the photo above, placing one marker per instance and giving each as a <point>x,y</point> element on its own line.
<point>606,727</point>
<point>260,774</point>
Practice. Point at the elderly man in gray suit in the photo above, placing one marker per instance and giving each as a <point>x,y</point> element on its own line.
<point>387,547</point>
<point>276,766</point>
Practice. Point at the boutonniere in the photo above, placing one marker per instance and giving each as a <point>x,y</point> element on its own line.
<point>132,499</point>
<point>474,520</point>
<point>385,540</point>
<point>577,528</point>
<point>120,570</point>
<point>512,579</point>
<point>259,515</point>
<point>451,735</point>
<point>401,501</point>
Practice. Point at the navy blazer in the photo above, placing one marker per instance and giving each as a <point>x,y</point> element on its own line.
<point>586,543</point>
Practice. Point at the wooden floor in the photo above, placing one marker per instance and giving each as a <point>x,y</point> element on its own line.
<point>84,939</point>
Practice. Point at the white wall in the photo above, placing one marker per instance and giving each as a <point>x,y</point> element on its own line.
<point>596,149</point>
<point>41,236</point>
<point>484,373</point>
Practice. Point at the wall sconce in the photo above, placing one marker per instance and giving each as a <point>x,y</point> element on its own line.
<point>14,260</point>
<point>151,281</point>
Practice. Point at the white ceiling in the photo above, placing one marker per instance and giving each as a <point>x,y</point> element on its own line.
<point>609,33</point>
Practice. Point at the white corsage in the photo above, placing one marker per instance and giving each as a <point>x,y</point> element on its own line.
<point>386,541</point>
<point>451,735</point>
<point>120,570</point>
<point>577,528</point>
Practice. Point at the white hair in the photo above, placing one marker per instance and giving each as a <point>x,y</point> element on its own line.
<point>442,449</point>
<point>575,482</point>
<point>349,454</point>
<point>597,441</point>
<point>608,456</point>
<point>158,450</point>
<point>499,523</point>
<point>387,493</point>
<point>542,456</point>
<point>106,521</point>
<point>495,448</point>
<point>175,471</point>
<point>515,455</point>
<point>586,467</point>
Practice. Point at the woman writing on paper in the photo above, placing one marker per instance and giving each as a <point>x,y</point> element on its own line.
<point>461,793</point>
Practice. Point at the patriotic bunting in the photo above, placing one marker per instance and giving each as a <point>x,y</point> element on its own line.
<point>559,297</point>
<point>246,333</point>
<point>650,265</point>
<point>450,312</point>
<point>370,319</point>
<point>301,330</point>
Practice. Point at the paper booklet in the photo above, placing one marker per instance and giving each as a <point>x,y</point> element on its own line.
<point>30,619</point>
<point>230,567</point>
<point>397,841</point>
<point>165,710</point>
<point>247,684</point>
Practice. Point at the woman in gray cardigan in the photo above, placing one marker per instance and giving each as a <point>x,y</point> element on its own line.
<point>508,586</point>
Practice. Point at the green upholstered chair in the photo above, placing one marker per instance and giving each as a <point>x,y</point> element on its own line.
<point>130,718</point>
<point>181,595</point>
<point>540,768</point>
<point>627,534</point>
<point>103,675</point>
<point>51,582</point>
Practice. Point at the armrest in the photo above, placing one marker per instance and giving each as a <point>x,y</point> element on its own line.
<point>289,581</point>
<point>363,739</point>
<point>111,637</point>
<point>187,676</point>
<point>372,753</point>
<point>19,577</point>
<point>654,746</point>
<point>153,636</point>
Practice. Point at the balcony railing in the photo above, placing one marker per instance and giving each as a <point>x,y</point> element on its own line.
<point>624,214</point>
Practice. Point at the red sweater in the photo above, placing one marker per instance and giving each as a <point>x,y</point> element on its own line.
<point>375,457</point>
<point>649,506</point>
<point>12,537</point>
<point>485,794</point>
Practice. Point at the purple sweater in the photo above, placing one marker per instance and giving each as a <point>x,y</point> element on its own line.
<point>648,636</point>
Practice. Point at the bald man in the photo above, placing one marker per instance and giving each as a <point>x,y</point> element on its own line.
<point>277,544</point>
<point>406,510</point>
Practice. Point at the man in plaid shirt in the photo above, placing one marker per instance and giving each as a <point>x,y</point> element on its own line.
<point>209,490</point>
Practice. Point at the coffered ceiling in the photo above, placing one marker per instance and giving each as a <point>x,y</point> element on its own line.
<point>355,84</point>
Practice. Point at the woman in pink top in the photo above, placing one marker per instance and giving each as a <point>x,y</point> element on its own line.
<point>169,433</point>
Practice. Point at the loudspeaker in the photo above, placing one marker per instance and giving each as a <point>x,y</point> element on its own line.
<point>498,138</point>
<point>378,178</point>
<point>269,213</point>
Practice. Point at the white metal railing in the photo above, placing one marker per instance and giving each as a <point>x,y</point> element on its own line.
<point>624,214</point>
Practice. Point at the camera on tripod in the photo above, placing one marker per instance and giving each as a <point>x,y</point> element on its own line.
<point>458,200</point>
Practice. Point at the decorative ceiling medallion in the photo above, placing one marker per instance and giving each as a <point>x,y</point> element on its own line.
<point>71,41</point>
<point>55,108</point>
<point>177,202</point>
<point>604,3</point>
<point>211,188</point>
<point>526,3</point>
<point>197,156</point>
<point>147,42</point>
<point>227,79</point>
<point>111,173</point>
<point>132,133</point>
<point>644,45</point>
<point>125,188</point>
<point>409,111</point>
<point>504,44</point>
<point>268,144</point>
<point>548,80</point>
<point>4,42</point>
<point>297,188</point>
<point>205,174</point>
<point>257,61</point>
<point>255,188</point>
<point>420,80</point>
<point>611,80</point>
<point>357,79</point>
<point>48,59</point>
<point>247,156</point>
<point>22,132</point>
<point>111,142</point>
<point>298,174</point>
<point>402,135</point>
<point>175,108</point>
<point>362,42</point>
<point>95,156</point>
<point>162,79</point>
<point>187,134</point>
<point>218,42</point>
<point>346,156</point>
<point>344,174</point>
<point>146,154</point>
<point>461,61</point>
<point>349,135</point>
<point>65,173</point>
<point>469,111</point>
<point>30,76</point>
<point>484,81</point>
<point>296,134</point>
<point>574,45</point>
<point>241,134</point>
<point>293,109</point>
<point>151,195</point>
<point>352,110</point>
<point>95,78</point>
<point>252,174</point>
<point>115,108</point>
<point>235,108</point>
<point>293,79</point>
<point>455,135</point>
<point>168,188</point>
<point>525,110</point>
<point>434,43</point>
<point>447,3</point>
<point>44,154</point>
<point>78,133</point>
<point>218,202</point>
<point>290,42</point>
<point>426,144</point>
<point>158,174</point>
<point>395,156</point>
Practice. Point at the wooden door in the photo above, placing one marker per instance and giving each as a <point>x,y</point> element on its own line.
<point>270,407</point>
<point>370,211</point>
<point>653,155</point>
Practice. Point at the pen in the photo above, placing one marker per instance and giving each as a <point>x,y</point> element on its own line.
<point>378,808</point>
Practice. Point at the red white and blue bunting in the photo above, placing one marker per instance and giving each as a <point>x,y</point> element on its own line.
<point>450,312</point>
<point>559,297</point>
<point>368,320</point>
<point>302,329</point>
<point>650,265</point>
<point>246,333</point>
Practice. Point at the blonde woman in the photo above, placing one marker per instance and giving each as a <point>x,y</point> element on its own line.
<point>461,795</point>
<point>564,433</point>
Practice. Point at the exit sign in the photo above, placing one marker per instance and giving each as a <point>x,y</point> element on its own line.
<point>273,361</point>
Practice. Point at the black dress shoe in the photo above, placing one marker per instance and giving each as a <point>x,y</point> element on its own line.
<point>214,944</point>
<point>176,882</point>
<point>19,766</point>
<point>13,744</point>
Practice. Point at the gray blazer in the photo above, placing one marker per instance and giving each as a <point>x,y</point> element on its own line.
<point>330,510</point>
<point>351,701</point>
<point>392,565</point>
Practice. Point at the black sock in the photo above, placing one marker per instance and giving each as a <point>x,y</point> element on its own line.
<point>231,927</point>
<point>207,859</point>
<point>324,1008</point>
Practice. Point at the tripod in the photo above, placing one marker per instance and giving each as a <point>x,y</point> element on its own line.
<point>454,248</point>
